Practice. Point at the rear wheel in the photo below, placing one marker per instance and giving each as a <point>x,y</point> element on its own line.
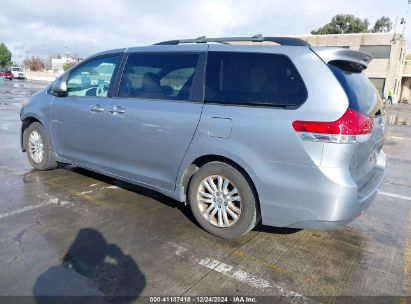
<point>38,148</point>
<point>222,200</point>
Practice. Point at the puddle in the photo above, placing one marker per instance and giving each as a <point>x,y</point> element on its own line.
<point>399,120</point>
<point>19,85</point>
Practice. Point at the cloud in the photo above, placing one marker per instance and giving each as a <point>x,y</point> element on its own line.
<point>42,27</point>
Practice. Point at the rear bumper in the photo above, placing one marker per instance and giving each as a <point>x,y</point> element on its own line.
<point>317,198</point>
<point>365,197</point>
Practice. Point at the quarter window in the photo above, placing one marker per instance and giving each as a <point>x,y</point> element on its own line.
<point>159,76</point>
<point>93,78</point>
<point>253,79</point>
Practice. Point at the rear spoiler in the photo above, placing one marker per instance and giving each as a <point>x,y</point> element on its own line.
<point>335,54</point>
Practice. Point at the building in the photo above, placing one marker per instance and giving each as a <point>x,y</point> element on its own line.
<point>406,79</point>
<point>57,64</point>
<point>391,66</point>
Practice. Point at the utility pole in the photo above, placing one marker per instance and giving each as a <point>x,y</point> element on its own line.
<point>404,20</point>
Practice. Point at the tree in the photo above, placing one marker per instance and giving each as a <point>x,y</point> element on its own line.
<point>5,56</point>
<point>34,64</point>
<point>72,60</point>
<point>68,65</point>
<point>382,25</point>
<point>343,24</point>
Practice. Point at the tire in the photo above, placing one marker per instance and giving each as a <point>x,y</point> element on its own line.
<point>247,206</point>
<point>47,161</point>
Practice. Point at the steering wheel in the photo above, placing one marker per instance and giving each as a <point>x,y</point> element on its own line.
<point>101,90</point>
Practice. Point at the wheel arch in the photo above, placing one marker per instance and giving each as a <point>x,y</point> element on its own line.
<point>26,122</point>
<point>205,159</point>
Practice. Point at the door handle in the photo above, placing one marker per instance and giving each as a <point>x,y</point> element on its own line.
<point>117,110</point>
<point>96,108</point>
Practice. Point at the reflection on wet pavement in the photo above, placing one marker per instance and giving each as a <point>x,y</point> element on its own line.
<point>400,117</point>
<point>14,91</point>
<point>399,120</point>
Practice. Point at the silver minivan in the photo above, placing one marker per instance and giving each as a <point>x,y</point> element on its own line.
<point>286,134</point>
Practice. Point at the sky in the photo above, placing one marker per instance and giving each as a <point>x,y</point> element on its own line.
<point>84,27</point>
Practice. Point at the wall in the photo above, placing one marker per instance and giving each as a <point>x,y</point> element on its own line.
<point>390,69</point>
<point>406,89</point>
<point>45,76</point>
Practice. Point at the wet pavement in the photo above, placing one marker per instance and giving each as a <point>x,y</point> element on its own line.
<point>73,232</point>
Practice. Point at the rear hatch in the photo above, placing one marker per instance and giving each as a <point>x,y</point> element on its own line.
<point>348,66</point>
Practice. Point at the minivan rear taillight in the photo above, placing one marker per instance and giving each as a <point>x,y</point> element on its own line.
<point>352,127</point>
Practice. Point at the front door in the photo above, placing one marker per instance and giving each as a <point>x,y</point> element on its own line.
<point>78,120</point>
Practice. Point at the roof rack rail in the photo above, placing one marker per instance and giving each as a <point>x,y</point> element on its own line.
<point>290,41</point>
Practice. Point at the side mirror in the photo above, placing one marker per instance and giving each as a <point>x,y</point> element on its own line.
<point>59,88</point>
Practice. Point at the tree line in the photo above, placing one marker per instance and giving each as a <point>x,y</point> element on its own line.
<point>348,24</point>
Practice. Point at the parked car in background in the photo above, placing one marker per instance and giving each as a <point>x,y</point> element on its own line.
<point>288,134</point>
<point>6,73</point>
<point>18,73</point>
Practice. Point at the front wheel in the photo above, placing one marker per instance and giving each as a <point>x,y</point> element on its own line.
<point>38,148</point>
<point>222,200</point>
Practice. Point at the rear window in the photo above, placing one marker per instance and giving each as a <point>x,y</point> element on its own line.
<point>362,94</point>
<point>253,79</point>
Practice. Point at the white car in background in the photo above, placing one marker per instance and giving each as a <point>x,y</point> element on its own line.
<point>18,73</point>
